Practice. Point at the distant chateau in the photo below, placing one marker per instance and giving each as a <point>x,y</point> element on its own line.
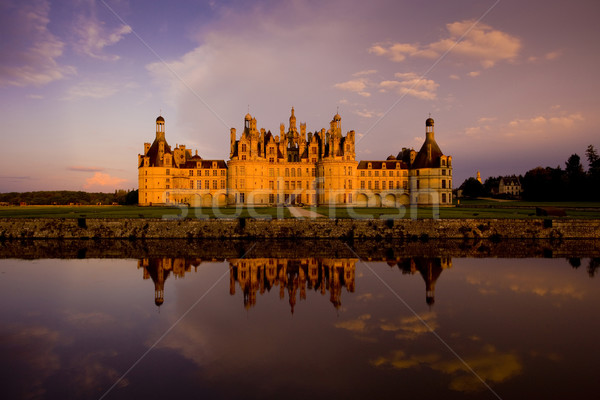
<point>294,167</point>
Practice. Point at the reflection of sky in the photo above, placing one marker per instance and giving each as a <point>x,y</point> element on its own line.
<point>74,326</point>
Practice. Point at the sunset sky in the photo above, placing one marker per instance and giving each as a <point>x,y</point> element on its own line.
<point>511,85</point>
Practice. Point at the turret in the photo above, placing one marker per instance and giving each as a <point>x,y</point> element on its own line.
<point>160,128</point>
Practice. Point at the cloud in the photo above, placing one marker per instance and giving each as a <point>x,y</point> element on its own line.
<point>84,169</point>
<point>103,180</point>
<point>354,325</point>
<point>367,113</point>
<point>365,72</point>
<point>482,43</point>
<point>489,364</point>
<point>93,36</point>
<point>355,85</point>
<point>411,327</point>
<point>411,84</point>
<point>553,55</point>
<point>30,49</point>
<point>534,124</point>
<point>473,74</point>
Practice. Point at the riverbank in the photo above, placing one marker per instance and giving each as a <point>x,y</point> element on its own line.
<point>367,250</point>
<point>250,228</point>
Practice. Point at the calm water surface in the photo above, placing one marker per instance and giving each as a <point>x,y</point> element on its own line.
<point>480,328</point>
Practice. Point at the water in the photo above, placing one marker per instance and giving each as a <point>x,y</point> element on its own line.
<point>299,325</point>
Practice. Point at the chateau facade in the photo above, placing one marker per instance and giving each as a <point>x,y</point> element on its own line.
<point>294,167</point>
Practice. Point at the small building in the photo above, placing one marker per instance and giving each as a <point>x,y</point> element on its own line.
<point>510,185</point>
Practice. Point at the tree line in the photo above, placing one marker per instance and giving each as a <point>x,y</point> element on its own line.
<point>573,183</point>
<point>66,197</point>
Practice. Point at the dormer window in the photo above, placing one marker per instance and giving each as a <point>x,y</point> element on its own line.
<point>370,166</point>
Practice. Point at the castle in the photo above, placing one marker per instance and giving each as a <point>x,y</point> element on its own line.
<point>294,167</point>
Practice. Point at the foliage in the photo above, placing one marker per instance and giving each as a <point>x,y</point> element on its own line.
<point>570,184</point>
<point>65,197</point>
<point>473,188</point>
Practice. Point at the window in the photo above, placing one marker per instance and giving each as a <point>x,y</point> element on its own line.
<point>443,197</point>
<point>242,198</point>
<point>191,184</point>
<point>286,185</point>
<point>376,173</point>
<point>215,172</point>
<point>206,172</point>
<point>443,172</point>
<point>214,184</point>
<point>362,173</point>
<point>293,185</point>
<point>392,185</point>
<point>369,174</point>
<point>370,185</point>
<point>404,185</point>
<point>362,184</point>
<point>223,172</point>
<point>443,184</point>
<point>293,172</point>
<point>418,183</point>
<point>271,198</point>
<point>287,172</point>
<point>223,184</point>
<point>241,183</point>
<point>198,184</point>
<point>271,150</point>
<point>383,185</point>
<point>242,170</point>
<point>313,172</point>
<point>350,184</point>
<point>243,157</point>
<point>299,171</point>
<point>191,172</point>
<point>350,198</point>
<point>271,159</point>
<point>243,148</point>
<point>168,172</point>
<point>376,185</point>
<point>206,184</point>
<point>271,185</point>
<point>313,150</point>
<point>383,173</point>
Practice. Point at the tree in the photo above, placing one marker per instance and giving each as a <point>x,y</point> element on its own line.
<point>575,178</point>
<point>491,185</point>
<point>473,188</point>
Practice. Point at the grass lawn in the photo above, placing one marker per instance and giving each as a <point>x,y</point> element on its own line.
<point>139,212</point>
<point>491,210</point>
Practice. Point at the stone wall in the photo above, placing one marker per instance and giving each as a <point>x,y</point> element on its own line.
<point>347,229</point>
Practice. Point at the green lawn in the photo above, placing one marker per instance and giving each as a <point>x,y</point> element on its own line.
<point>467,209</point>
<point>139,212</point>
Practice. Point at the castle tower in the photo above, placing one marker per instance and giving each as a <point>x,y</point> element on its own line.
<point>479,177</point>
<point>160,128</point>
<point>293,128</point>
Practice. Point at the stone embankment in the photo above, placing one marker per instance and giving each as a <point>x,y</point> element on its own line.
<point>346,229</point>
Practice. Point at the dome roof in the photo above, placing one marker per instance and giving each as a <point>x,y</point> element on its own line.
<point>429,122</point>
<point>248,117</point>
<point>337,117</point>
<point>390,158</point>
<point>160,119</point>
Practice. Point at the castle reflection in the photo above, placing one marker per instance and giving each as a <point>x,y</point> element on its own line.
<point>296,276</point>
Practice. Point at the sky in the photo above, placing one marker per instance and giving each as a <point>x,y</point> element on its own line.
<point>511,85</point>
